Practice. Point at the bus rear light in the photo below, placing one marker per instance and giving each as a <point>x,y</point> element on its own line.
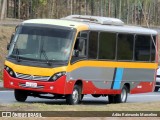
<point>57,75</point>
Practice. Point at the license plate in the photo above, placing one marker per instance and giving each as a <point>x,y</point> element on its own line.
<point>30,84</point>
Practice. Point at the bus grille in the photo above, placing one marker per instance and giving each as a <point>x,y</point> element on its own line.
<point>32,77</point>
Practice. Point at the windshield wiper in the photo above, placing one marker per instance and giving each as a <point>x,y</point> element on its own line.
<point>45,56</point>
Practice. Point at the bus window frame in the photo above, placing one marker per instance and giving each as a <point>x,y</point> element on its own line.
<point>81,57</point>
<point>151,41</point>
<point>97,45</point>
<point>116,47</point>
<point>131,60</point>
<point>154,38</point>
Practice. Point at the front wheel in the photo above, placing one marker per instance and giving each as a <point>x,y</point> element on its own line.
<point>82,95</point>
<point>156,89</point>
<point>75,97</point>
<point>96,95</point>
<point>20,95</point>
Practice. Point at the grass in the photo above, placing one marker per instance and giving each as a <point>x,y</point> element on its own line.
<point>82,107</point>
<point>5,34</point>
<point>22,107</point>
<point>154,106</point>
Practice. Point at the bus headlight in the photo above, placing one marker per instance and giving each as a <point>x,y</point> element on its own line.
<point>10,71</point>
<point>57,75</point>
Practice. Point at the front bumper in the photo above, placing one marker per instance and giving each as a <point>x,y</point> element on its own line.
<point>56,87</point>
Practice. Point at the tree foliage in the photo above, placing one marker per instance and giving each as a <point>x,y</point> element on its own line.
<point>130,11</point>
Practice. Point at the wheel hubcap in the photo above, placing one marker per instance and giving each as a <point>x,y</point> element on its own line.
<point>123,95</point>
<point>75,96</point>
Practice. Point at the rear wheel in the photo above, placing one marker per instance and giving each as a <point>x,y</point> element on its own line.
<point>111,98</point>
<point>75,97</point>
<point>120,98</point>
<point>20,95</point>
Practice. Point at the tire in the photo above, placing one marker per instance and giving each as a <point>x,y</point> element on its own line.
<point>20,95</point>
<point>156,89</point>
<point>75,97</point>
<point>111,98</point>
<point>82,95</point>
<point>96,95</point>
<point>120,98</point>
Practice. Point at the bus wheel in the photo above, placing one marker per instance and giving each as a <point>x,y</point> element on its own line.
<point>75,97</point>
<point>122,98</point>
<point>156,89</point>
<point>111,98</point>
<point>82,95</point>
<point>20,95</point>
<point>96,95</point>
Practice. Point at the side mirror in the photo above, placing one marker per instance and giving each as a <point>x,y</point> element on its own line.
<point>8,45</point>
<point>76,53</point>
<point>16,28</point>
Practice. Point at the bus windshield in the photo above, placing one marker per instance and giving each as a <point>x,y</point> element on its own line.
<point>42,44</point>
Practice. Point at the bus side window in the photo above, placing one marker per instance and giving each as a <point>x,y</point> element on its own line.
<point>142,48</point>
<point>93,45</point>
<point>80,47</point>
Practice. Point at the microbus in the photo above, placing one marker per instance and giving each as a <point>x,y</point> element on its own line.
<point>77,55</point>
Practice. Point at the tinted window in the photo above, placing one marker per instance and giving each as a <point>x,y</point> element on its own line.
<point>81,43</point>
<point>42,44</point>
<point>107,45</point>
<point>125,47</point>
<point>93,45</point>
<point>142,48</point>
<point>80,47</point>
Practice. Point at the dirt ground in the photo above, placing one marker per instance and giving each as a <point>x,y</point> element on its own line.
<point>5,34</point>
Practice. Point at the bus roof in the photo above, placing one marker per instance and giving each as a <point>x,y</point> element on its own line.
<point>123,29</point>
<point>57,22</point>
<point>94,26</point>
